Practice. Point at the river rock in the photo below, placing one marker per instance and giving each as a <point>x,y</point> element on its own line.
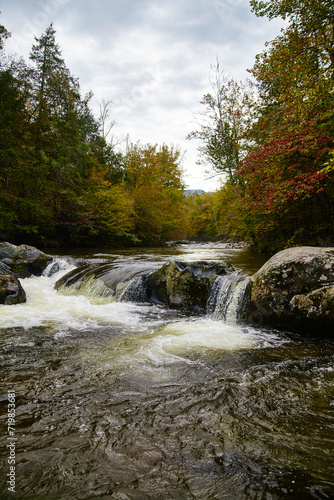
<point>184,285</point>
<point>11,291</point>
<point>295,290</point>
<point>24,260</point>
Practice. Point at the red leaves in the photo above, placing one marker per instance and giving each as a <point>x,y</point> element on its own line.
<point>287,169</point>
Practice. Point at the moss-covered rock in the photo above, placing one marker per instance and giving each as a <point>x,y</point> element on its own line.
<point>11,291</point>
<point>295,290</point>
<point>184,285</point>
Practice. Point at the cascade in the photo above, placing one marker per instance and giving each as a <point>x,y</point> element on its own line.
<point>108,282</point>
<point>59,267</point>
<point>134,290</point>
<point>226,299</point>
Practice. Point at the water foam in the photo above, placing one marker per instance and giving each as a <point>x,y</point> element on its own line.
<point>227,296</point>
<point>205,334</point>
<point>153,352</point>
<point>46,307</point>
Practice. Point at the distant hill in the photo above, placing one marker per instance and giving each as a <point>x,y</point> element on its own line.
<point>192,192</point>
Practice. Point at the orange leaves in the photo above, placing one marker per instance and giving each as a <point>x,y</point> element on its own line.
<point>98,175</point>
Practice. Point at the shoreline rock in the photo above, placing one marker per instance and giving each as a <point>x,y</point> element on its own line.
<point>11,290</point>
<point>294,290</point>
<point>23,260</point>
<point>18,262</point>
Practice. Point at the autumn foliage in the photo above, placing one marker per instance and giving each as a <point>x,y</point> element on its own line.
<point>272,140</point>
<point>60,182</point>
<point>286,188</point>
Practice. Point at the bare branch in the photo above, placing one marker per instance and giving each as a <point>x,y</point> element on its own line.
<point>104,116</point>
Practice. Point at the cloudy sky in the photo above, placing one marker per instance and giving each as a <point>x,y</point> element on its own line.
<point>151,58</point>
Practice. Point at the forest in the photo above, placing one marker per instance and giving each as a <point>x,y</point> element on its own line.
<point>63,184</point>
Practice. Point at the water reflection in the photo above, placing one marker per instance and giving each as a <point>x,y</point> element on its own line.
<point>243,258</point>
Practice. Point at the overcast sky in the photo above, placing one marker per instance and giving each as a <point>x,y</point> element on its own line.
<point>151,58</point>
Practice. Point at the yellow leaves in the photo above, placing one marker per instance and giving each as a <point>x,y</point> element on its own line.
<point>150,164</point>
<point>114,209</point>
<point>328,166</point>
<point>98,174</point>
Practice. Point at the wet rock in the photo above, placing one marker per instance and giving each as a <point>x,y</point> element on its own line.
<point>184,285</point>
<point>175,284</point>
<point>24,260</point>
<point>4,268</point>
<point>295,290</point>
<point>87,280</point>
<point>11,291</point>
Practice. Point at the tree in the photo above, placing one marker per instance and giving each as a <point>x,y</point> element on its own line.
<point>223,124</point>
<point>153,177</point>
<point>288,179</point>
<point>104,120</point>
<point>288,191</point>
<point>203,224</point>
<point>295,73</point>
<point>16,151</point>
<point>4,34</point>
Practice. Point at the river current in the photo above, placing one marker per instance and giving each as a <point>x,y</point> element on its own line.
<point>131,400</point>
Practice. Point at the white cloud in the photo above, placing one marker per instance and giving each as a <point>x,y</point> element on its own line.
<point>151,58</point>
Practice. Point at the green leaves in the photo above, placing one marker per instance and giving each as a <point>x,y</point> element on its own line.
<point>4,34</point>
<point>277,150</point>
<point>223,124</point>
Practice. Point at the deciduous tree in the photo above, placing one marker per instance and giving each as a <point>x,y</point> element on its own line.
<point>153,177</point>
<point>223,124</point>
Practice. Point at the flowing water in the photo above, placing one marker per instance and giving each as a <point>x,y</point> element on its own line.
<point>128,400</point>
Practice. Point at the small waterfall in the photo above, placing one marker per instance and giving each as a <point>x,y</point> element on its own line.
<point>94,290</point>
<point>105,283</point>
<point>110,282</point>
<point>226,299</point>
<point>58,267</point>
<point>134,290</point>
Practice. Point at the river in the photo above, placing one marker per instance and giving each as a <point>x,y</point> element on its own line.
<point>131,400</point>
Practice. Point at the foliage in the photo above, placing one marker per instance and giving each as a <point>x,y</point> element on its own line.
<point>295,73</point>
<point>223,124</point>
<point>202,217</point>
<point>293,161</point>
<point>229,211</point>
<point>288,176</point>
<point>153,178</point>
<point>60,180</point>
<point>4,34</point>
<point>280,189</point>
<point>217,215</point>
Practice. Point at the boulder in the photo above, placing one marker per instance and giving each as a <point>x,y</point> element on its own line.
<point>4,268</point>
<point>11,291</point>
<point>184,285</point>
<point>24,260</point>
<point>295,290</point>
<point>175,284</point>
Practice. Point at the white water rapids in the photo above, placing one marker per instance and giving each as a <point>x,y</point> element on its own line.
<point>86,309</point>
<point>46,307</point>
